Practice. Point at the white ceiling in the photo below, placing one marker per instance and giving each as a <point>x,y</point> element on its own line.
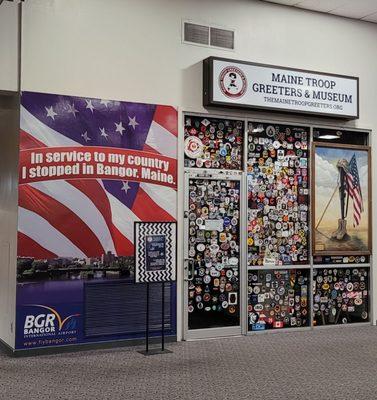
<point>365,10</point>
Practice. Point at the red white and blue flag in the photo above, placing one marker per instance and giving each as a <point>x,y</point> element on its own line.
<point>83,215</point>
<point>354,190</point>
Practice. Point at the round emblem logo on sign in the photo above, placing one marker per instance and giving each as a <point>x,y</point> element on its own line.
<point>233,82</point>
<point>193,147</point>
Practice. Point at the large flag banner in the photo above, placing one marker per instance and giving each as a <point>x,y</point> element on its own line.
<point>88,170</point>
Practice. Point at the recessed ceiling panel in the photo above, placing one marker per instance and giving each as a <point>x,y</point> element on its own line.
<point>285,2</point>
<point>371,18</point>
<point>356,9</point>
<point>321,5</point>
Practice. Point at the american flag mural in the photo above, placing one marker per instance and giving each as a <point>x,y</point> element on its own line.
<point>354,190</point>
<point>83,216</point>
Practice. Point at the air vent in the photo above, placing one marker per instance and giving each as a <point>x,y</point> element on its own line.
<point>209,36</point>
<point>196,33</point>
<point>222,38</point>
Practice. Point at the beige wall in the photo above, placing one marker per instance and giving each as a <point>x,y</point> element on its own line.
<point>132,50</point>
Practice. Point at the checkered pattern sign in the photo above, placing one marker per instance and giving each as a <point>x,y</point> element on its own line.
<point>155,252</point>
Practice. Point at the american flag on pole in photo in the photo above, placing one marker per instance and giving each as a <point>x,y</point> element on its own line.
<point>354,190</point>
<point>87,217</point>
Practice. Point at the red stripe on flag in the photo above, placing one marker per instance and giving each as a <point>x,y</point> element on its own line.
<point>28,141</point>
<point>150,149</point>
<point>62,219</point>
<point>122,245</point>
<point>147,210</point>
<point>27,247</point>
<point>95,192</point>
<point>356,198</point>
<point>167,117</point>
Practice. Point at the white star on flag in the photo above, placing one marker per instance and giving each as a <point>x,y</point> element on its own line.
<point>103,133</point>
<point>120,128</point>
<point>89,105</point>
<point>86,137</point>
<point>50,112</point>
<point>105,102</point>
<point>126,187</point>
<point>133,122</point>
<point>72,109</point>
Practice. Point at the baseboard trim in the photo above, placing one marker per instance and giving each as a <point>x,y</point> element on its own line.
<point>5,348</point>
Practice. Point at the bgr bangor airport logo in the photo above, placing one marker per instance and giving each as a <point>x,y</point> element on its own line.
<point>48,323</point>
<point>232,82</point>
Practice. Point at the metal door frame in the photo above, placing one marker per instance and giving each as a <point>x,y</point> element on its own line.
<point>227,330</point>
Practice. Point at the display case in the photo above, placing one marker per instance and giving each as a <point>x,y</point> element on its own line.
<point>278,194</point>
<point>340,295</point>
<point>213,143</point>
<point>278,299</point>
<point>341,225</point>
<point>282,279</point>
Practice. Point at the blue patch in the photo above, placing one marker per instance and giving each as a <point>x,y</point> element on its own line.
<point>258,327</point>
<point>226,221</point>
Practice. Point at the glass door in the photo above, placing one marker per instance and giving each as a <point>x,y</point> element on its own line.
<point>212,254</point>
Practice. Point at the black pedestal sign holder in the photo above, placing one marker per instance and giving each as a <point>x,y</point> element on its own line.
<point>155,262</point>
<point>162,350</point>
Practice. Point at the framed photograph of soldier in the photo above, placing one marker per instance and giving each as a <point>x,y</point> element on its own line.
<point>155,252</point>
<point>340,295</point>
<point>278,194</point>
<point>213,143</point>
<point>341,200</point>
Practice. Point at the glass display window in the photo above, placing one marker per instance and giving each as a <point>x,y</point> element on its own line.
<point>258,184</point>
<point>214,251</point>
<point>278,299</point>
<point>213,143</point>
<point>340,295</point>
<point>278,194</point>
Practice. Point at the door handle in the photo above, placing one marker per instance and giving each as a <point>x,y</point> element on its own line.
<point>189,270</point>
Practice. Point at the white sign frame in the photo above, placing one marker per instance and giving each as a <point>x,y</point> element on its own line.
<point>142,230</point>
<point>275,88</point>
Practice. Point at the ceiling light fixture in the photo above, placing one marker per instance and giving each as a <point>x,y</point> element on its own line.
<point>330,136</point>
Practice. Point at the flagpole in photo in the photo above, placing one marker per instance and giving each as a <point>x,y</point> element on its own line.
<point>327,206</point>
<point>341,232</point>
